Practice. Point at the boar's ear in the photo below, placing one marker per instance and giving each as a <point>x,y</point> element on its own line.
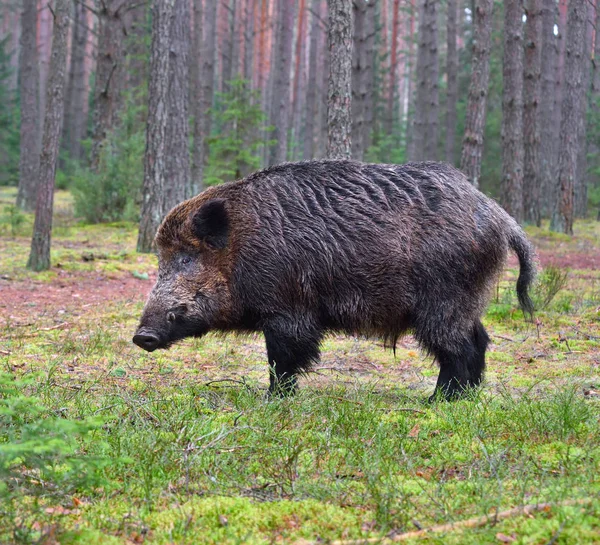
<point>211,223</point>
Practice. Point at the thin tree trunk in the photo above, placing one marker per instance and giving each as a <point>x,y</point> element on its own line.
<point>109,74</point>
<point>593,145</point>
<point>196,57</point>
<point>581,179</point>
<point>177,156</point>
<point>249,42</point>
<point>156,129</point>
<point>362,75</point>
<point>531,98</point>
<point>280,98</point>
<point>29,160</point>
<point>205,90</point>
<point>512,110</point>
<point>311,97</point>
<point>472,150</point>
<point>452,77</point>
<point>547,128</point>
<point>572,108</point>
<point>339,95</point>
<point>430,150</point>
<point>393,84</point>
<point>76,103</point>
<point>297,96</point>
<point>39,258</point>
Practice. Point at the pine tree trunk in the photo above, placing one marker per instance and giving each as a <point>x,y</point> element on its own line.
<point>177,156</point>
<point>572,109</point>
<point>547,128</point>
<point>109,74</point>
<point>452,77</point>
<point>581,179</point>
<point>311,96</point>
<point>531,98</point>
<point>362,75</point>
<point>593,144</point>
<point>392,82</point>
<point>39,258</point>
<point>472,150</point>
<point>249,42</point>
<point>196,56</point>
<point>156,129</point>
<point>76,103</point>
<point>280,97</point>
<point>512,110</point>
<point>29,160</point>
<point>205,91</point>
<point>297,97</point>
<point>339,95</point>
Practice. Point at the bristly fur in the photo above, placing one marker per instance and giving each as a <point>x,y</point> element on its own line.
<point>302,249</point>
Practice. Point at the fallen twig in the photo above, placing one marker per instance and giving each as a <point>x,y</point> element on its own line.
<point>58,326</point>
<point>475,522</point>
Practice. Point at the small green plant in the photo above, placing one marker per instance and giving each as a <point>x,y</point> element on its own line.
<point>551,281</point>
<point>14,218</point>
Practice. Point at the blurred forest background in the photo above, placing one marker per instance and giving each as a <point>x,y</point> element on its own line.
<point>191,93</point>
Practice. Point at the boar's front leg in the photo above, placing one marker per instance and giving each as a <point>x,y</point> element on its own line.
<point>292,346</point>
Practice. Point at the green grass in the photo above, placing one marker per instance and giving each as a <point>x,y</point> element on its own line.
<point>101,443</point>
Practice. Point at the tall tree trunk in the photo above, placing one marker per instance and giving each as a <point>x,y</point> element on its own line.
<point>452,77</point>
<point>297,96</point>
<point>593,144</point>
<point>573,101</point>
<point>410,84</point>
<point>205,90</point>
<point>44,45</point>
<point>196,56</point>
<point>362,75</point>
<point>311,97</point>
<point>581,179</point>
<point>156,129</point>
<point>472,150</point>
<point>547,128</point>
<point>512,110</point>
<point>280,98</point>
<point>531,98</point>
<point>29,160</point>
<point>393,83</point>
<point>249,41</point>
<point>76,103</point>
<point>109,74</point>
<point>39,258</point>
<point>339,94</point>
<point>427,103</point>
<point>177,156</point>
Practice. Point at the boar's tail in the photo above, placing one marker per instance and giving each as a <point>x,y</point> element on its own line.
<point>522,247</point>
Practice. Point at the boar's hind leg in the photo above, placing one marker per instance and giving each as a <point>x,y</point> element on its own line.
<point>292,346</point>
<point>462,368</point>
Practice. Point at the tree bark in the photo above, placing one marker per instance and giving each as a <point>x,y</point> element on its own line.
<point>156,129</point>
<point>39,258</point>
<point>249,41</point>
<point>29,160</point>
<point>205,89</point>
<point>472,150</point>
<point>531,98</point>
<point>452,78</point>
<point>393,83</point>
<point>311,97</point>
<point>297,96</point>
<point>581,179</point>
<point>339,95</point>
<point>76,103</point>
<point>572,109</point>
<point>177,156</point>
<point>547,128</point>
<point>362,75</point>
<point>109,74</point>
<point>593,145</point>
<point>512,110</point>
<point>280,96</point>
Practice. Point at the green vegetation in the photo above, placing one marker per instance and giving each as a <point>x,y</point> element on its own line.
<point>102,443</point>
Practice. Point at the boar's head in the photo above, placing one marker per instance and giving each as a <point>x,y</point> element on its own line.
<point>191,295</point>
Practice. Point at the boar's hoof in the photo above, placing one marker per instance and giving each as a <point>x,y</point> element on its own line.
<point>283,387</point>
<point>147,340</point>
<point>452,392</point>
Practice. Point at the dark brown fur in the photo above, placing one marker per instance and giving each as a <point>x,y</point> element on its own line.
<point>302,249</point>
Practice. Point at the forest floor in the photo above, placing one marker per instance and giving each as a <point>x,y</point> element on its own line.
<point>101,442</point>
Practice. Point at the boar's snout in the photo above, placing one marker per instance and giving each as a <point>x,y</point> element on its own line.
<point>146,339</point>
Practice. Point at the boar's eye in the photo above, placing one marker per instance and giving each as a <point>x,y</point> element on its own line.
<point>186,259</point>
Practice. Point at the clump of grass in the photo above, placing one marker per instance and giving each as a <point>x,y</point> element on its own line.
<point>550,283</point>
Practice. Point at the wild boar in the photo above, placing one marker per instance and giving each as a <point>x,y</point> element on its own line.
<point>303,249</point>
